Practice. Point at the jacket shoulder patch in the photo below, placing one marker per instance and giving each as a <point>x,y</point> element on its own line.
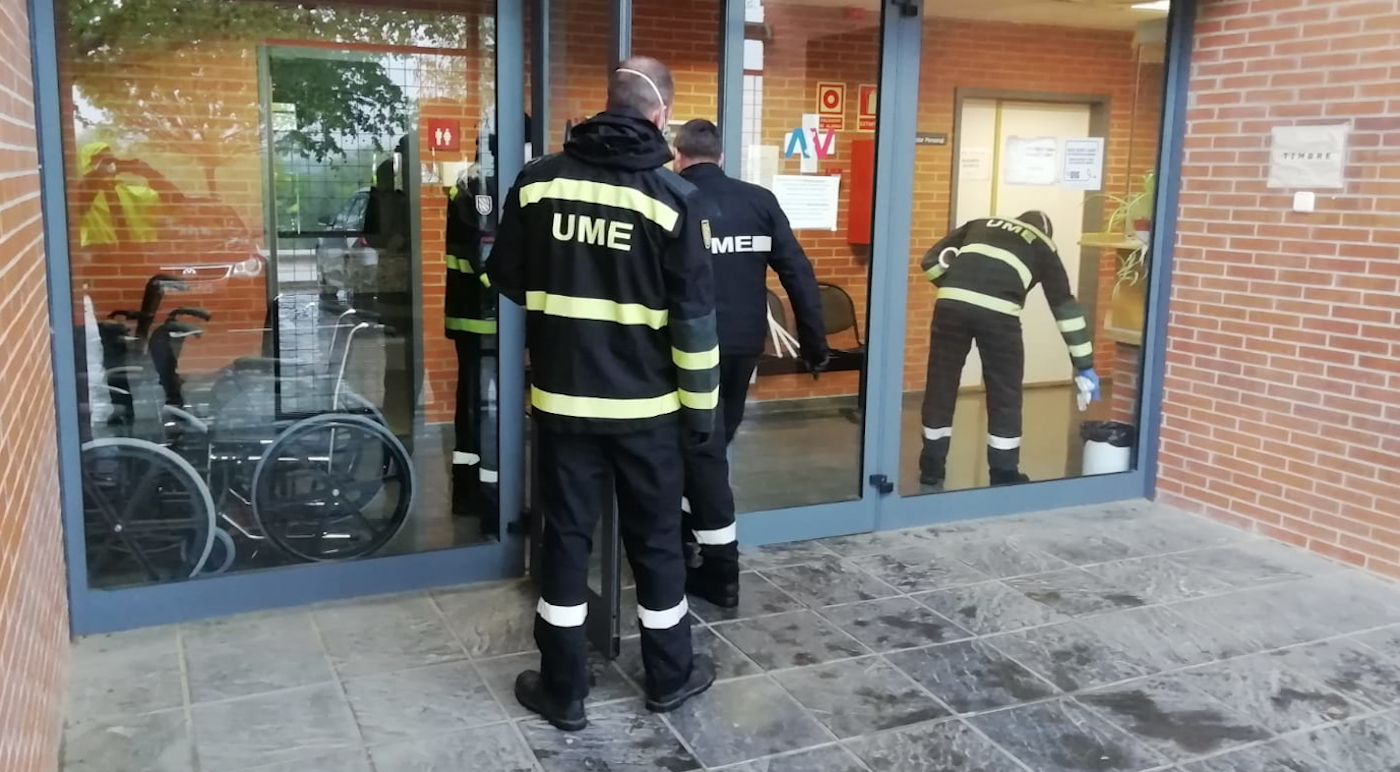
<point>705,232</point>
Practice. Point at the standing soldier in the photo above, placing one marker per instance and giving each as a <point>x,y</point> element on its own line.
<point>604,248</point>
<point>749,233</point>
<point>983,272</point>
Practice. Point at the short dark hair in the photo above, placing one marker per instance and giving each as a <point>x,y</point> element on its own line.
<point>700,139</point>
<point>627,90</point>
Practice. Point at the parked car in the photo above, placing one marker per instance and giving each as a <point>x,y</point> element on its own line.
<point>344,254</point>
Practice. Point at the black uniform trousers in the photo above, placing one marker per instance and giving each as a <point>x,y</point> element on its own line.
<point>576,473</point>
<point>998,336</point>
<point>475,472</point>
<point>709,499</point>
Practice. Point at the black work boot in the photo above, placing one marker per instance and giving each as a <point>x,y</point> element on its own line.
<point>1008,477</point>
<point>702,677</point>
<point>716,581</point>
<point>932,470</point>
<point>532,695</point>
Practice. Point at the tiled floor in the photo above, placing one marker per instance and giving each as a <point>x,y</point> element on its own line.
<point>1112,639</point>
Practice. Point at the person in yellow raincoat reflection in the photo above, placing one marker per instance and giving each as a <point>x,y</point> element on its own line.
<point>119,198</point>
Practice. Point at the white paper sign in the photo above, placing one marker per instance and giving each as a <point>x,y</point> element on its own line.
<point>284,116</point>
<point>1083,164</point>
<point>975,164</point>
<point>760,164</point>
<point>1031,161</point>
<point>809,201</point>
<point>1308,156</point>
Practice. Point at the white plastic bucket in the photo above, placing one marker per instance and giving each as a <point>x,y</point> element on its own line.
<point>1103,458</point>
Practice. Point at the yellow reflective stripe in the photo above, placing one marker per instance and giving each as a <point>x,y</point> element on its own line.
<point>978,299</point>
<point>1082,350</point>
<point>602,407</point>
<point>1038,234</point>
<point>475,326</point>
<point>690,361</point>
<point>594,309</point>
<point>602,194</point>
<point>1004,255</point>
<point>700,400</point>
<point>1072,325</point>
<point>485,280</point>
<point>935,272</point>
<point>455,263</point>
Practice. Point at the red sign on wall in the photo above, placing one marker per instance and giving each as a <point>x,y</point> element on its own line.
<point>444,134</point>
<point>831,106</point>
<point>868,107</point>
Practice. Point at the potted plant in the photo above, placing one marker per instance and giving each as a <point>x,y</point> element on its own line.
<point>1132,218</point>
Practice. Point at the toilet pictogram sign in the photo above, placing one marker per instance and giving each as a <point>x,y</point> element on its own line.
<point>444,134</point>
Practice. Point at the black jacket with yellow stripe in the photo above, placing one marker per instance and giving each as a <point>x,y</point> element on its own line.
<point>605,249</point>
<point>998,262</point>
<point>470,303</point>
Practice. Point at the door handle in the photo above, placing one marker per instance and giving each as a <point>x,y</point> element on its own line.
<point>882,484</point>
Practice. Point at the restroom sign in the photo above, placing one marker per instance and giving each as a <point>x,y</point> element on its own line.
<point>444,134</point>
<point>831,106</point>
<point>868,108</point>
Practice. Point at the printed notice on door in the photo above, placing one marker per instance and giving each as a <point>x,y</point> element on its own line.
<point>1308,156</point>
<point>810,201</point>
<point>1083,164</point>
<point>1031,161</point>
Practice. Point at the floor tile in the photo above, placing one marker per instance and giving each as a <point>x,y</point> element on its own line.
<point>879,542</point>
<point>794,639</point>
<point>492,620</point>
<point>1266,618</point>
<point>989,608</point>
<point>832,758</point>
<point>1276,756</point>
<point>1254,564</point>
<point>496,748</point>
<point>781,555</point>
<point>286,726</point>
<point>381,636</point>
<point>621,737</point>
<point>951,746</point>
<point>155,742</point>
<point>1368,745</point>
<point>918,570</point>
<point>744,720</point>
<point>1351,669</point>
<point>729,661</point>
<point>859,696</point>
<point>1080,546</point>
<point>1158,535</point>
<point>1070,655</point>
<point>894,623</point>
<point>1160,579</point>
<point>1386,641</point>
<point>971,676</point>
<point>430,700</point>
<point>1162,638</point>
<point>1173,718</point>
<point>757,596</point>
<point>1265,688</point>
<point>606,682</point>
<point>828,583</point>
<point>282,651</point>
<point>1075,592</point>
<point>1002,558</point>
<point>125,674</point>
<point>340,761</point>
<point>1063,736</point>
<point>1349,602</point>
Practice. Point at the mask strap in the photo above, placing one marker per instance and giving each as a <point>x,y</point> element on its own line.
<point>649,81</point>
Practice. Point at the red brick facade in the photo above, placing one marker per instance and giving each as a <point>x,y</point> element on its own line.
<point>1282,406</point>
<point>33,606</point>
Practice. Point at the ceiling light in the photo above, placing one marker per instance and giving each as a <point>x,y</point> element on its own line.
<point>1155,5</point>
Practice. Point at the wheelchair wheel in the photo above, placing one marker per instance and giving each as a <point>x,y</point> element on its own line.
<point>222,555</point>
<point>333,487</point>
<point>147,514</point>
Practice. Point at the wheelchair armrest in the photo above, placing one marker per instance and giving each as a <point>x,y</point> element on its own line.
<point>198,313</point>
<point>184,415</point>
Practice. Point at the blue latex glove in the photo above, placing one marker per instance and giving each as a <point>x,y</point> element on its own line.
<point>1088,384</point>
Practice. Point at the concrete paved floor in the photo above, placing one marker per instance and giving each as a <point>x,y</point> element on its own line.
<point>1119,638</point>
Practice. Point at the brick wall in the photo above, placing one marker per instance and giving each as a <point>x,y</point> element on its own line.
<point>33,606</point>
<point>1282,407</point>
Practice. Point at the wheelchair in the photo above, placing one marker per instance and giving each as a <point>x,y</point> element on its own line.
<point>269,461</point>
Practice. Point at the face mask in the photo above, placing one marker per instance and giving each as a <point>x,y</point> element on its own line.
<point>665,110</point>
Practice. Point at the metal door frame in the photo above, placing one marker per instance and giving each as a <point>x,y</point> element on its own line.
<point>96,610</point>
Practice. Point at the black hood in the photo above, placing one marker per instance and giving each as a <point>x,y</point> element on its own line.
<point>620,140</point>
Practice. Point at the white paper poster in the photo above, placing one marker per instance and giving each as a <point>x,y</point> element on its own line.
<point>975,164</point>
<point>760,164</point>
<point>1083,164</point>
<point>810,201</point>
<point>1031,161</point>
<point>1308,156</point>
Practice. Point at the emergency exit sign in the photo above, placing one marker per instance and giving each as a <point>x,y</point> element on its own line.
<point>444,134</point>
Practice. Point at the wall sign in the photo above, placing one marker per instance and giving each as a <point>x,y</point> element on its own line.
<point>1083,164</point>
<point>1031,161</point>
<point>935,138</point>
<point>831,106</point>
<point>1308,156</point>
<point>809,201</point>
<point>444,134</point>
<point>868,107</point>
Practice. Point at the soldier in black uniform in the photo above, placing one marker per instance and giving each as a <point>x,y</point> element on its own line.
<point>749,233</point>
<point>983,271</point>
<point>470,321</point>
<point>604,248</point>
